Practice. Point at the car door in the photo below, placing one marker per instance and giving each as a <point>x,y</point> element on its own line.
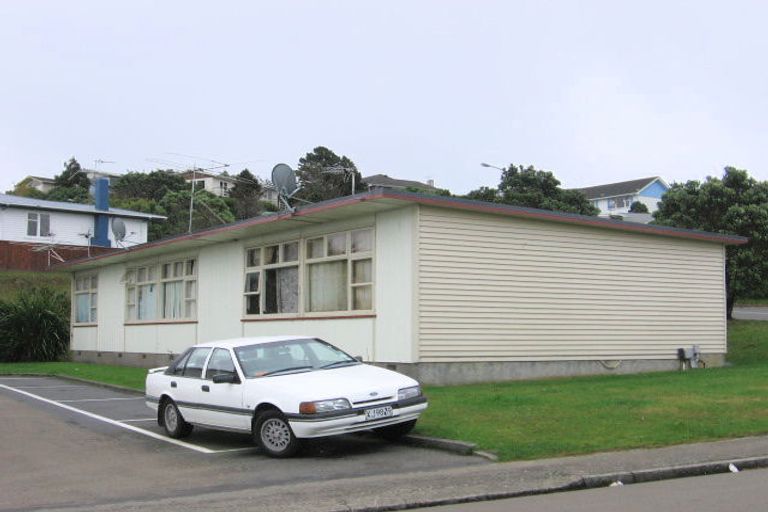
<point>187,382</point>
<point>223,401</point>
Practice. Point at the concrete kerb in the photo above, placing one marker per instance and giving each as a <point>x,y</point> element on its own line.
<point>671,472</point>
<point>588,482</point>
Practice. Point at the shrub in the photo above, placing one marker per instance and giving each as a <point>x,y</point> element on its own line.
<point>34,326</point>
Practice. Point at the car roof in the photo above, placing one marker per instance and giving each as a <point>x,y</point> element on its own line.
<point>254,340</point>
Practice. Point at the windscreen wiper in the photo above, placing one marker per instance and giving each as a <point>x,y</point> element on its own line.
<point>293,368</point>
<point>335,363</point>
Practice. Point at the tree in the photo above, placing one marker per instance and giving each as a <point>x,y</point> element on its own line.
<point>152,185</point>
<point>245,196</point>
<point>736,204</point>
<point>24,189</point>
<point>534,189</point>
<point>638,207</point>
<point>319,185</point>
<point>72,176</point>
<point>209,210</point>
<point>69,195</point>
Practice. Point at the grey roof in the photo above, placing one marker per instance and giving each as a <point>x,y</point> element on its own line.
<point>41,178</point>
<point>382,180</point>
<point>343,208</point>
<point>11,201</point>
<point>617,189</point>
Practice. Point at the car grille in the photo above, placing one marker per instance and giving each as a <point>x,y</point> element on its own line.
<point>374,400</point>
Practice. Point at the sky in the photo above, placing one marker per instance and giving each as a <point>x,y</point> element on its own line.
<point>594,91</point>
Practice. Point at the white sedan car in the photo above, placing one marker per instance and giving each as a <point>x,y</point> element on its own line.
<point>281,389</point>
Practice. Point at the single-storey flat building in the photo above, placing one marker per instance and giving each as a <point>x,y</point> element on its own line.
<point>447,290</point>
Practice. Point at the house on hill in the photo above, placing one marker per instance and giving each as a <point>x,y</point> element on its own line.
<point>616,198</point>
<point>447,290</point>
<point>382,181</point>
<point>32,230</point>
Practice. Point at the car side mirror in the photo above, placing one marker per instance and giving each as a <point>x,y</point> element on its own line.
<point>226,378</point>
<point>359,358</point>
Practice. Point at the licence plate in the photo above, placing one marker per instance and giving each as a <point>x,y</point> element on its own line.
<point>378,413</point>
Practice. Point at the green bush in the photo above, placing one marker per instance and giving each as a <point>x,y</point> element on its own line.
<point>34,326</point>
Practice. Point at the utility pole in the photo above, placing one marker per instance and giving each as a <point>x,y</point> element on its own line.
<point>192,197</point>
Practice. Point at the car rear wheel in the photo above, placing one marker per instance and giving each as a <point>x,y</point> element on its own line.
<point>173,421</point>
<point>274,436</point>
<point>396,431</point>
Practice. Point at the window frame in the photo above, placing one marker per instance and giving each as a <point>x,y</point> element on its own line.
<point>91,291</point>
<point>153,275</point>
<point>37,218</point>
<point>304,262</point>
<point>261,270</point>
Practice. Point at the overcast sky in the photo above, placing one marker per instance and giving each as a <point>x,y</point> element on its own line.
<point>594,91</point>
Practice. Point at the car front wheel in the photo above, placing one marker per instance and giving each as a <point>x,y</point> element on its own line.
<point>173,421</point>
<point>396,431</point>
<point>274,435</point>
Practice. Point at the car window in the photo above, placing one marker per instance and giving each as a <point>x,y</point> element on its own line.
<point>299,354</point>
<point>177,366</point>
<point>220,362</point>
<point>194,366</point>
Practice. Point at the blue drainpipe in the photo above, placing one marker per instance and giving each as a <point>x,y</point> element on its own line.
<point>101,221</point>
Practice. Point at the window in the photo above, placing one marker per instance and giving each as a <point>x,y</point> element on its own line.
<point>195,363</point>
<point>167,291</point>
<point>333,273</point>
<point>272,279</point>
<point>85,299</point>
<point>38,224</point>
<point>340,272</point>
<point>220,363</point>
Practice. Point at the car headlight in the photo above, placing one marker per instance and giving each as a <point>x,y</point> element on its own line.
<point>406,393</point>
<point>337,404</point>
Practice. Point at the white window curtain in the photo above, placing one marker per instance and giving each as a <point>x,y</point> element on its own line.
<point>82,308</point>
<point>328,286</point>
<point>147,299</point>
<point>173,299</point>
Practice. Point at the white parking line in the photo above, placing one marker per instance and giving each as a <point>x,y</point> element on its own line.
<point>51,387</point>
<point>137,420</point>
<point>111,421</point>
<point>99,399</point>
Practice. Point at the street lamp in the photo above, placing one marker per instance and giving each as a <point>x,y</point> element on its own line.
<point>492,166</point>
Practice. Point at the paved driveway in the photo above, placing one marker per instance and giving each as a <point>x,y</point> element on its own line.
<point>750,313</point>
<point>70,444</point>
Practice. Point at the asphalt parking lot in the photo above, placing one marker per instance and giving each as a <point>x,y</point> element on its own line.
<point>70,444</point>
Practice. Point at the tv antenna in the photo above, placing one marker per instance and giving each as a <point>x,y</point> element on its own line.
<point>346,171</point>
<point>100,161</point>
<point>284,180</point>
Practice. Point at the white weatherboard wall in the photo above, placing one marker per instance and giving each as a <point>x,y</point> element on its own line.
<point>67,228</point>
<point>388,335</point>
<point>499,289</point>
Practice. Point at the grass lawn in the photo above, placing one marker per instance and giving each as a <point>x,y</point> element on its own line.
<point>547,418</point>
<point>118,375</point>
<point>752,302</point>
<point>11,281</point>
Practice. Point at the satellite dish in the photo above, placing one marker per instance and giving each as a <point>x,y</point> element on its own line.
<point>118,229</point>
<point>284,180</point>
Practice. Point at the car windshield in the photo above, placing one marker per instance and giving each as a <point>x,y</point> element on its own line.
<point>291,356</point>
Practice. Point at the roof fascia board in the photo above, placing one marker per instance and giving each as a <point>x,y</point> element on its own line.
<point>432,200</point>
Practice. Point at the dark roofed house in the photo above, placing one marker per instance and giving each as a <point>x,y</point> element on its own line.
<point>616,198</point>
<point>385,182</point>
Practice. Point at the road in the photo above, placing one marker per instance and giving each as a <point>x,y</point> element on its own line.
<point>715,493</point>
<point>747,313</point>
<point>67,444</point>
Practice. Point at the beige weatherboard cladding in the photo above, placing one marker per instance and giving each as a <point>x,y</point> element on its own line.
<point>494,288</point>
